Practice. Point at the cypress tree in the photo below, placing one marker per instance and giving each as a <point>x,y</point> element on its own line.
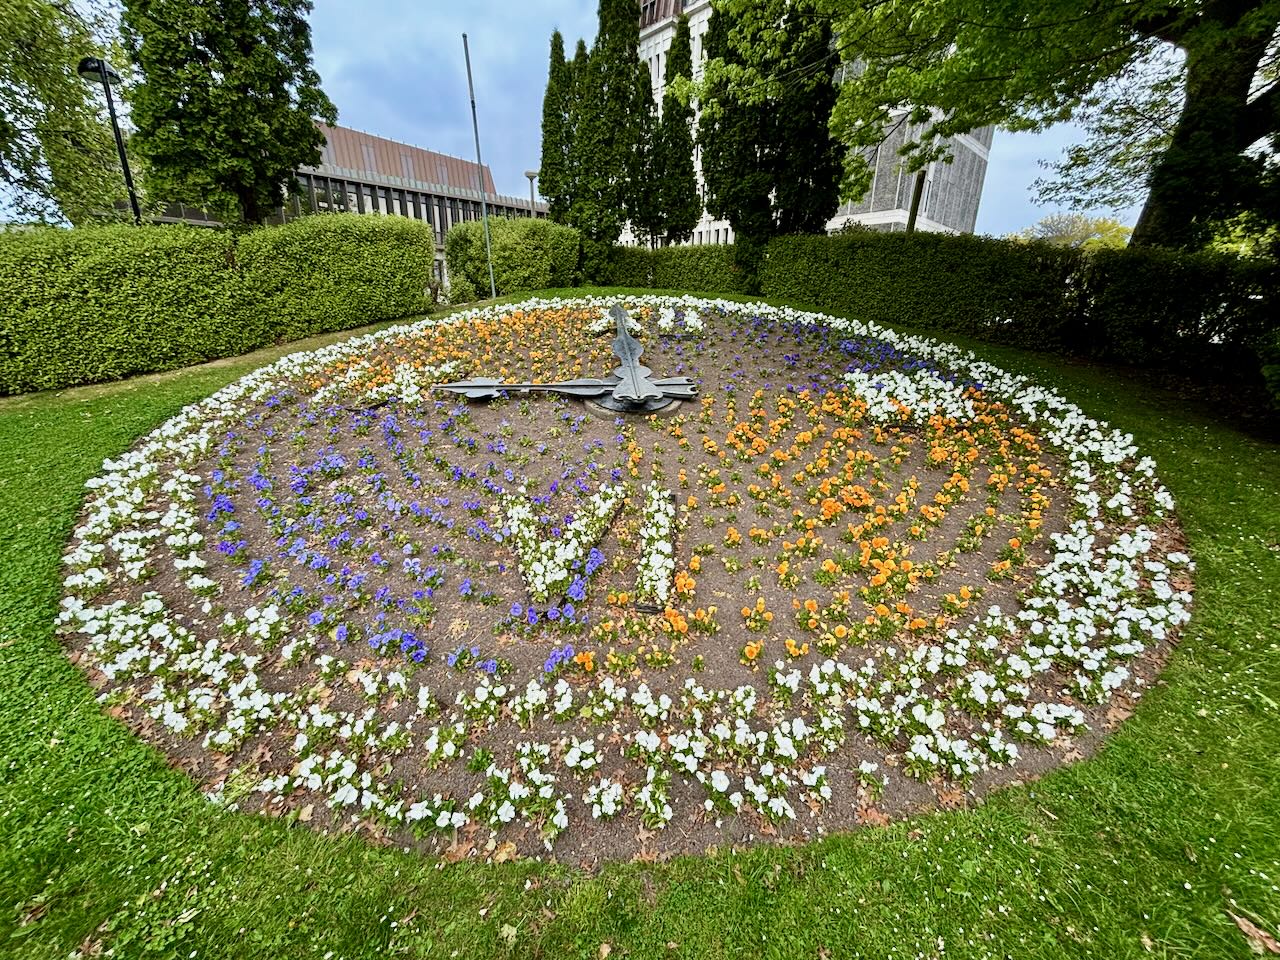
<point>677,181</point>
<point>606,133</point>
<point>644,197</point>
<point>772,167</point>
<point>553,173</point>
<point>736,157</point>
<point>808,163</point>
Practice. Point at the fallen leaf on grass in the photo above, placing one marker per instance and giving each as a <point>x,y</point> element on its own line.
<point>1118,714</point>
<point>872,816</point>
<point>508,934</point>
<point>1259,940</point>
<point>504,852</point>
<point>606,948</point>
<point>951,799</point>
<point>458,851</point>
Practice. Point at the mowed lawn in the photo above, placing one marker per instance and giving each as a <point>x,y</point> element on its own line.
<point>1151,848</point>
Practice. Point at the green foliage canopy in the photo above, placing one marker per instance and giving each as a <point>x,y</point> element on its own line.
<point>228,101</point>
<point>677,184</point>
<point>1079,231</point>
<point>57,153</point>
<point>948,66</point>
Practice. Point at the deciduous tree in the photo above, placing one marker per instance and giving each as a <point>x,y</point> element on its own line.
<point>1078,230</point>
<point>949,66</point>
<point>57,152</point>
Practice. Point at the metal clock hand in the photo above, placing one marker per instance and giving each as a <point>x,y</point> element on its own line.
<point>630,389</point>
<point>634,385</point>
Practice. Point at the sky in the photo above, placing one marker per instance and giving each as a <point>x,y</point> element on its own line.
<point>395,68</point>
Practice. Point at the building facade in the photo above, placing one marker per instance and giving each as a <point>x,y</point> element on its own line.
<point>361,173</point>
<point>952,191</point>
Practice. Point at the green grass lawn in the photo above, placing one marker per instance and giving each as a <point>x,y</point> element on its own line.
<point>1143,850</point>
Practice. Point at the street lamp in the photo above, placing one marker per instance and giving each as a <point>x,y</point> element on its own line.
<point>97,70</point>
<point>532,175</point>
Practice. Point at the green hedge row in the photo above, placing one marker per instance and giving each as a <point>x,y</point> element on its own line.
<point>528,254</point>
<point>101,303</point>
<point>1144,307</point>
<point>1141,306</point>
<point>705,269</point>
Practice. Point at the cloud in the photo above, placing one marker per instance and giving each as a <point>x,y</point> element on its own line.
<point>396,69</point>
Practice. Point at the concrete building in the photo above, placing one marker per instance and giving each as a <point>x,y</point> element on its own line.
<point>952,191</point>
<point>361,173</point>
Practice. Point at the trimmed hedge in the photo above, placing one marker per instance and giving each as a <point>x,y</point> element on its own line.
<point>325,273</point>
<point>101,303</point>
<point>706,269</point>
<point>528,254</point>
<point>1204,312</point>
<point>1144,307</point>
<point>991,289</point>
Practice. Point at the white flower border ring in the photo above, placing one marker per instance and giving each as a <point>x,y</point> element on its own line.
<point>1093,608</point>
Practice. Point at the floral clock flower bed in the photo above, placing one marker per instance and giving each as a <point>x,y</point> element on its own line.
<point>861,575</point>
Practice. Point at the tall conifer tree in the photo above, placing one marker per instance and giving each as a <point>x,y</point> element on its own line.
<point>736,159</point>
<point>606,133</point>
<point>809,161</point>
<point>644,195</point>
<point>771,166</point>
<point>575,146</point>
<point>553,174</point>
<point>678,197</point>
<point>228,101</point>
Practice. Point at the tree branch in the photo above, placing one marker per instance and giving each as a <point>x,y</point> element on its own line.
<point>1262,116</point>
<point>1170,25</point>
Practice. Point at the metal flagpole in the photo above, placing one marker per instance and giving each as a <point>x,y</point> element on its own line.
<point>484,208</point>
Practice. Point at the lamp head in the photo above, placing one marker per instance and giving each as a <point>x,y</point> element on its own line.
<point>92,69</point>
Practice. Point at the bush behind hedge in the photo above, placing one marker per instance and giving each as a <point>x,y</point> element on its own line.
<point>100,303</point>
<point>528,254</point>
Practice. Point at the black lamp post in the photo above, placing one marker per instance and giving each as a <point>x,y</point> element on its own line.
<point>96,70</point>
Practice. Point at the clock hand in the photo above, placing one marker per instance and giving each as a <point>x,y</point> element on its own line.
<point>486,388</point>
<point>634,385</point>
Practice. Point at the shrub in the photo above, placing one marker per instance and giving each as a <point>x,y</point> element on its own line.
<point>1164,308</point>
<point>334,272</point>
<point>705,269</point>
<point>101,303</point>
<point>630,267</point>
<point>992,289</point>
<point>528,254</point>
<point>708,269</point>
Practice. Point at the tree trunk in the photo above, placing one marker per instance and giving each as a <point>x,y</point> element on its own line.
<point>250,212</point>
<point>1202,176</point>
